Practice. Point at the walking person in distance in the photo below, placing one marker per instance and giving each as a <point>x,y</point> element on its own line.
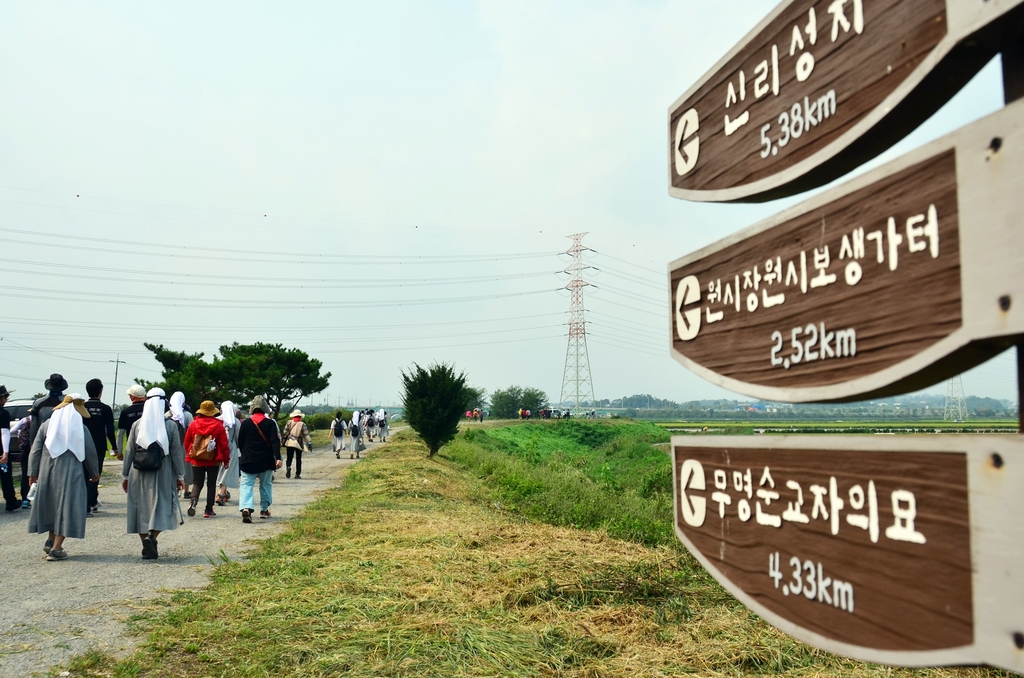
<point>228,476</point>
<point>6,477</point>
<point>41,410</point>
<point>259,455</point>
<point>338,427</point>
<point>207,449</point>
<point>101,427</point>
<point>152,474</point>
<point>63,456</point>
<point>296,439</point>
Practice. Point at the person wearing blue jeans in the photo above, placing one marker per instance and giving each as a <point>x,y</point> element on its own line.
<point>247,495</point>
<point>259,455</point>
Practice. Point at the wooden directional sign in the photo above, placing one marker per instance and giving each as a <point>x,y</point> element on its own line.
<point>894,281</point>
<point>821,86</point>
<point>894,550</point>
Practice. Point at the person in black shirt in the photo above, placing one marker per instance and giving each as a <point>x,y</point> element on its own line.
<point>129,416</point>
<point>40,413</point>
<point>6,478</point>
<point>100,425</point>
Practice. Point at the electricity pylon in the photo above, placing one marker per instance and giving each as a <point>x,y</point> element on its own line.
<point>956,403</point>
<point>577,385</point>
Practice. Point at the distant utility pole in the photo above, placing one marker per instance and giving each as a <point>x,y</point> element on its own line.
<point>956,403</point>
<point>576,381</point>
<point>117,364</point>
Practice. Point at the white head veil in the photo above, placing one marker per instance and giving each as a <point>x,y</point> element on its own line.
<point>66,431</point>
<point>152,428</point>
<point>178,408</point>
<point>227,413</point>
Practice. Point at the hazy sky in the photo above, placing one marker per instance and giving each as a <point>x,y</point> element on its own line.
<point>375,183</point>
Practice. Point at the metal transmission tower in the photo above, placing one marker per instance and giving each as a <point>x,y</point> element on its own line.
<point>956,403</point>
<point>576,382</point>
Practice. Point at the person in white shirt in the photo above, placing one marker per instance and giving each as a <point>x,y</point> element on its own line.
<point>356,434</point>
<point>338,428</point>
<point>382,424</point>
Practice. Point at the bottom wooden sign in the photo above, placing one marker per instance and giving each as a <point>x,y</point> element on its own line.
<point>901,550</point>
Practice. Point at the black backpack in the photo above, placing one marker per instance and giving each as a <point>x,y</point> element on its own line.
<point>148,458</point>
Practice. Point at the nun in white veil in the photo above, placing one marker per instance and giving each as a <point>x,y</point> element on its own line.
<point>153,495</point>
<point>56,463</point>
<point>183,418</point>
<point>228,476</point>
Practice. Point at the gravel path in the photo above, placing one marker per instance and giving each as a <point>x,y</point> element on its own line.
<point>50,611</point>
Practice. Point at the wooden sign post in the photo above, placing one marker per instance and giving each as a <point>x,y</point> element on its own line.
<point>896,550</point>
<point>821,86</point>
<point>892,282</point>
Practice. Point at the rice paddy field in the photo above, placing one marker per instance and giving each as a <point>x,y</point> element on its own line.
<point>540,549</point>
<point>741,427</point>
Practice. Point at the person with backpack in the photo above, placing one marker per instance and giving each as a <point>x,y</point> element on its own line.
<point>206,449</point>
<point>382,424</point>
<point>152,474</point>
<point>63,457</point>
<point>259,455</point>
<point>355,434</point>
<point>338,427</point>
<point>296,439</point>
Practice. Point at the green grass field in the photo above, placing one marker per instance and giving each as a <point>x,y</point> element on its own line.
<point>498,557</point>
<point>741,427</point>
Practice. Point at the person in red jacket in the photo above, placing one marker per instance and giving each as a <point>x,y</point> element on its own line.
<point>207,449</point>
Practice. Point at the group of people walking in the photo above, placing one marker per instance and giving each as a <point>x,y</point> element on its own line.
<point>167,454</point>
<point>362,424</point>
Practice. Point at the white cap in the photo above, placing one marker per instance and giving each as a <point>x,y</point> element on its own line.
<point>137,391</point>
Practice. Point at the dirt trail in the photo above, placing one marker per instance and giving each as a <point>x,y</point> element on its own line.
<point>50,611</point>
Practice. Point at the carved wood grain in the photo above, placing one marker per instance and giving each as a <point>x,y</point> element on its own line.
<point>896,314</point>
<point>863,69</point>
<point>907,597</point>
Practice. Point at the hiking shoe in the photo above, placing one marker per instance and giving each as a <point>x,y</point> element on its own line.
<point>246,516</point>
<point>264,514</point>
<point>191,511</point>
<point>149,549</point>
<point>47,545</point>
<point>57,554</point>
<point>298,477</point>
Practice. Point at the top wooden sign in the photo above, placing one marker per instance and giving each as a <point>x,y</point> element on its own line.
<point>821,86</point>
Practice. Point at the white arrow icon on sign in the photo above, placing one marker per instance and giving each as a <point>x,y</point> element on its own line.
<point>687,322</point>
<point>686,156</point>
<point>691,477</point>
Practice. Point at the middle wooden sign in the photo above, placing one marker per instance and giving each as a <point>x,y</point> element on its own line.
<point>892,282</point>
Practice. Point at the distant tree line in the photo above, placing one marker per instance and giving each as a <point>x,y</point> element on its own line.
<point>907,407</point>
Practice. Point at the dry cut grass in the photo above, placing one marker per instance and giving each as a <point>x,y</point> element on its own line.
<point>406,570</point>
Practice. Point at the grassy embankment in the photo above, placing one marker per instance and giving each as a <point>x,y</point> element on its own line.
<point>418,567</point>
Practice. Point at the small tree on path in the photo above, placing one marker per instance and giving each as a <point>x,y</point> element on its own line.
<point>434,401</point>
